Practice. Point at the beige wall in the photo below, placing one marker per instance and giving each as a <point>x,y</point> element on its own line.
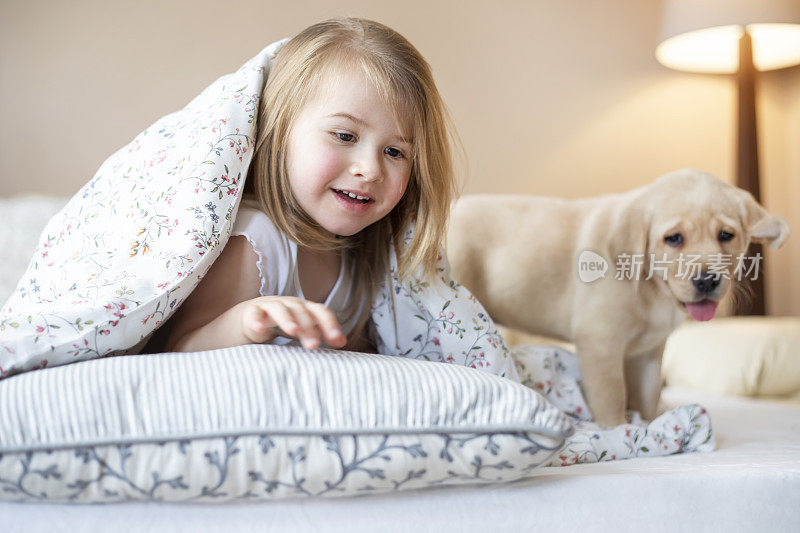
<point>553,98</point>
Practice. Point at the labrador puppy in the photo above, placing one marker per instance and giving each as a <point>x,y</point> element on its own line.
<point>614,274</point>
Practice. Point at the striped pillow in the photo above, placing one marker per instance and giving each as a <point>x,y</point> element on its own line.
<point>264,422</point>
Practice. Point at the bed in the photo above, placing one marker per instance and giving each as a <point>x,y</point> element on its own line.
<point>750,482</point>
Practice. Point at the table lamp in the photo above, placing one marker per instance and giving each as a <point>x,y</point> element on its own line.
<point>737,37</point>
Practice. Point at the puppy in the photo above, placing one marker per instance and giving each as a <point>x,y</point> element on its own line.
<point>569,269</point>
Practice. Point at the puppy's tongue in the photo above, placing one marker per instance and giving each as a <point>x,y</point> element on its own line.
<point>702,310</point>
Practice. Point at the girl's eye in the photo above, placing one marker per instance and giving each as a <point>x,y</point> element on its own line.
<point>724,236</point>
<point>344,137</point>
<point>394,152</point>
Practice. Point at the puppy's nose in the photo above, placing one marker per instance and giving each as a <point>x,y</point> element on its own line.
<point>706,282</point>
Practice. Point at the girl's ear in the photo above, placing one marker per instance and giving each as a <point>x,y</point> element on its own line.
<point>760,226</point>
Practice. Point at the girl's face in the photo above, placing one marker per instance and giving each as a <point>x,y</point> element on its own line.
<point>345,143</point>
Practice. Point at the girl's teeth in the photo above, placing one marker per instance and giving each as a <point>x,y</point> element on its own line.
<point>351,195</point>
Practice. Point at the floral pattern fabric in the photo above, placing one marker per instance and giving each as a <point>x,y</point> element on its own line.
<point>554,373</point>
<point>132,243</point>
<point>437,320</point>
<point>268,467</point>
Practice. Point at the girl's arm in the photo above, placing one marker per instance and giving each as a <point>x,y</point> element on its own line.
<point>211,317</point>
<point>225,310</point>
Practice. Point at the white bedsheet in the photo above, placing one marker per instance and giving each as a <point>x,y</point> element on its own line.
<point>750,483</point>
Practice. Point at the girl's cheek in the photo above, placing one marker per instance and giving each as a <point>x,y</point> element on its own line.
<point>403,185</point>
<point>398,190</point>
<point>327,162</point>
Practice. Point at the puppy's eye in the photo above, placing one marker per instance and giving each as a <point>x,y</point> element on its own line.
<point>674,240</point>
<point>724,236</point>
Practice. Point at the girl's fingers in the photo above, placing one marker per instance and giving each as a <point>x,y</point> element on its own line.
<point>281,316</point>
<point>309,334</point>
<point>255,321</point>
<point>327,322</point>
<point>310,322</point>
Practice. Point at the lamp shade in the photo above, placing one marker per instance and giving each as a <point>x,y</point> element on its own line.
<point>703,35</point>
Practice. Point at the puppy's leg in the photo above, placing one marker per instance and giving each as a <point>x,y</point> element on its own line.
<point>602,373</point>
<point>643,382</point>
<point>662,408</point>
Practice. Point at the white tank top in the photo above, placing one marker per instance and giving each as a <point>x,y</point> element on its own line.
<point>277,265</point>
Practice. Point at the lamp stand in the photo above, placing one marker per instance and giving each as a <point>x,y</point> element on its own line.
<point>747,160</point>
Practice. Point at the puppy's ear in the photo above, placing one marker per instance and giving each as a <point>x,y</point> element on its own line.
<point>629,233</point>
<point>761,226</point>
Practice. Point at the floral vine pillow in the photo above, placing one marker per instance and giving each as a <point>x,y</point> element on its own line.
<point>265,422</point>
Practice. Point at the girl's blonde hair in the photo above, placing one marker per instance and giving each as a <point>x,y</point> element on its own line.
<point>404,82</point>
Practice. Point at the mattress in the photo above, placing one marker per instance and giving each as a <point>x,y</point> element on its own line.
<point>750,483</point>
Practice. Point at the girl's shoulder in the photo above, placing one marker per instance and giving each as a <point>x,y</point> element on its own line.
<point>250,214</point>
<point>272,248</point>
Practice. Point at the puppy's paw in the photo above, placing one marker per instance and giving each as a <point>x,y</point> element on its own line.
<point>633,417</point>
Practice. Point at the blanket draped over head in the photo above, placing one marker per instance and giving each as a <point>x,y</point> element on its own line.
<point>132,244</point>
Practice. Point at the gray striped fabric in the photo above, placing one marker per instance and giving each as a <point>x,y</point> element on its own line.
<point>256,389</point>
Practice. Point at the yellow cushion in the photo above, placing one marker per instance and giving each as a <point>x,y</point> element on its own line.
<point>741,356</point>
<point>745,356</point>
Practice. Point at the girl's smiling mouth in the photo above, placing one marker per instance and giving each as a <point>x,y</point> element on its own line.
<point>352,197</point>
<point>354,205</point>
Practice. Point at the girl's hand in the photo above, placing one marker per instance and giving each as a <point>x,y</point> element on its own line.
<point>267,317</point>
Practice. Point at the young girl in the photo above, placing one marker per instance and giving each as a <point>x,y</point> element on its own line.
<point>352,145</point>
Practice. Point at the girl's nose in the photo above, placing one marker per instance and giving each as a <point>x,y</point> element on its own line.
<point>366,166</point>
